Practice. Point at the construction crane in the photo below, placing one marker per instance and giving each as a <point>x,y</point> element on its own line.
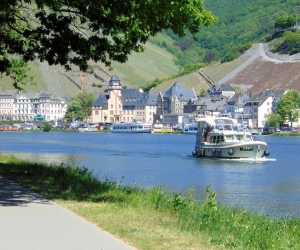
<point>81,82</point>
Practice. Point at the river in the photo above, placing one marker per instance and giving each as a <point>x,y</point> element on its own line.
<point>265,186</point>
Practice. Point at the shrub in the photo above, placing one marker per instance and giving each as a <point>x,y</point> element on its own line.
<point>47,127</point>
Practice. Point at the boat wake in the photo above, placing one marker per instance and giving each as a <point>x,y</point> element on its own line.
<point>255,160</point>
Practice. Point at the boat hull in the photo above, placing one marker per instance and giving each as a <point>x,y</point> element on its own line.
<point>87,130</point>
<point>254,149</point>
<point>132,128</point>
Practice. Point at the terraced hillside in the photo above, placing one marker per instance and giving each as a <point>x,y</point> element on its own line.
<point>140,68</point>
<point>262,74</point>
<point>258,70</point>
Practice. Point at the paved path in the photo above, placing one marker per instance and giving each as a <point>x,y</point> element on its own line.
<point>29,221</point>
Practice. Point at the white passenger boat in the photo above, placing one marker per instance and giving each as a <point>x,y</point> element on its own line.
<point>84,128</point>
<point>220,137</point>
<point>190,129</point>
<point>134,127</point>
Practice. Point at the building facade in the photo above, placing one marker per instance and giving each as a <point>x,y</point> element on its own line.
<point>40,106</point>
<point>173,101</point>
<point>7,99</point>
<point>120,104</point>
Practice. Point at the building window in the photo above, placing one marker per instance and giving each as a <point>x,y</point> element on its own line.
<point>96,112</point>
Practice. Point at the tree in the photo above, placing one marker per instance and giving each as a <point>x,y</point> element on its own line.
<point>285,21</point>
<point>72,32</point>
<point>73,110</point>
<point>274,120</point>
<point>80,106</point>
<point>288,106</point>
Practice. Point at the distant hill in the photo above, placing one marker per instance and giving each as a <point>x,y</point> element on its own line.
<point>258,70</point>
<point>154,63</point>
<point>241,23</point>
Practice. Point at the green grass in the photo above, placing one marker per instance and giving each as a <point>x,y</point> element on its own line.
<point>153,219</point>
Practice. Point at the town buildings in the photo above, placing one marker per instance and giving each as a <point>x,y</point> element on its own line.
<point>176,106</point>
<point>7,99</point>
<point>120,104</point>
<point>42,106</point>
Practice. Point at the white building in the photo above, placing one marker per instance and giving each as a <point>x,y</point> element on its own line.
<point>7,99</point>
<point>40,106</point>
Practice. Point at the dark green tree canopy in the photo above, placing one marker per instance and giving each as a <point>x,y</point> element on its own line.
<point>70,32</point>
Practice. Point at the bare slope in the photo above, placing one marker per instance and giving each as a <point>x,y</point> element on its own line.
<point>259,70</point>
<point>262,74</point>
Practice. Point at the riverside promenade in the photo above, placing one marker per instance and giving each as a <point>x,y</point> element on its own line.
<point>29,221</point>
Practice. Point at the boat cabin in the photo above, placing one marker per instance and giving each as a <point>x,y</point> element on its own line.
<point>221,131</point>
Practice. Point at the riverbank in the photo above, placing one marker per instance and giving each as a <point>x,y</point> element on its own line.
<point>153,219</point>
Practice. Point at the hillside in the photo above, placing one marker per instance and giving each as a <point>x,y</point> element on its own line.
<point>241,23</point>
<point>155,62</point>
<point>260,70</point>
<point>192,81</point>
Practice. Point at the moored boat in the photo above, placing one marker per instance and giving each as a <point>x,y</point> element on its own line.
<point>84,128</point>
<point>190,129</point>
<point>219,137</point>
<point>134,127</point>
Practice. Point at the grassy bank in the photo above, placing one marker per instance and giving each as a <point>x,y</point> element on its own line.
<point>153,219</point>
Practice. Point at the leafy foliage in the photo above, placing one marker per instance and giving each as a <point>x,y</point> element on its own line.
<point>241,23</point>
<point>274,120</point>
<point>288,106</point>
<point>292,42</point>
<point>76,31</point>
<point>80,106</point>
<point>47,127</point>
<point>283,22</point>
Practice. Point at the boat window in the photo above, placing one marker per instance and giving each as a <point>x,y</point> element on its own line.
<point>249,138</point>
<point>239,137</point>
<point>210,139</point>
<point>220,139</point>
<point>229,137</point>
<point>220,127</point>
<point>214,139</point>
<point>228,127</point>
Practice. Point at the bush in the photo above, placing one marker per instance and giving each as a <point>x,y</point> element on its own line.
<point>47,127</point>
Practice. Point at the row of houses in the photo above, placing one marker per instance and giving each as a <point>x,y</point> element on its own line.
<point>42,106</point>
<point>173,107</point>
<point>181,105</point>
